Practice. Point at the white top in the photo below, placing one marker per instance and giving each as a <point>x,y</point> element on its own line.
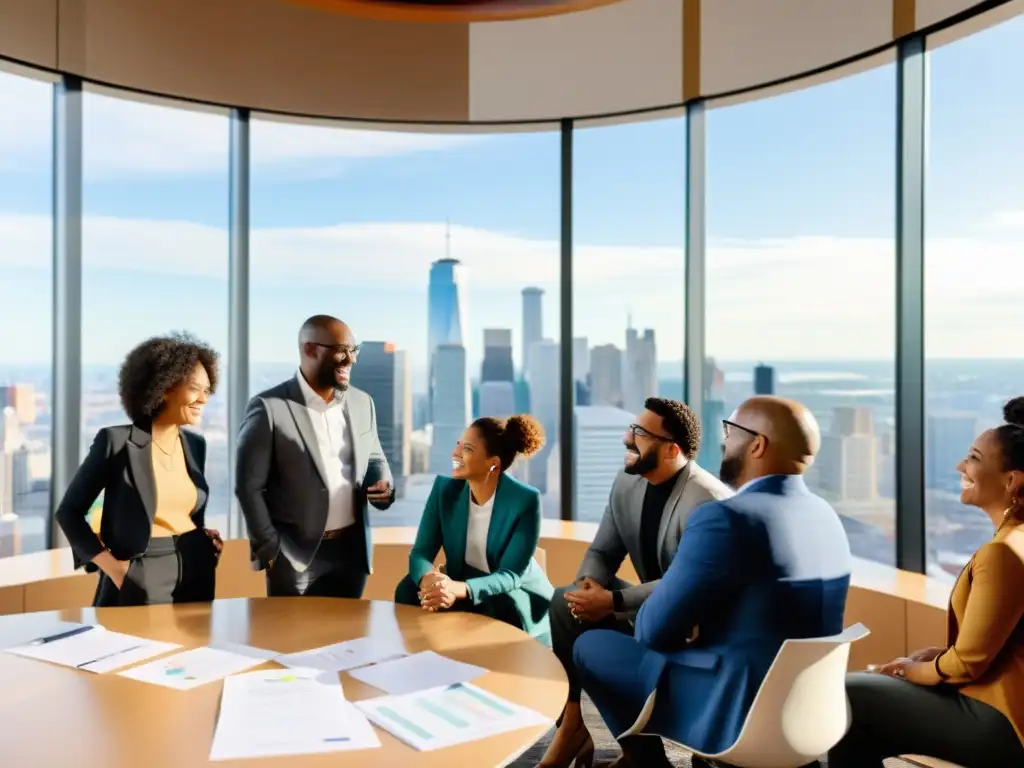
<point>476,533</point>
<point>330,424</point>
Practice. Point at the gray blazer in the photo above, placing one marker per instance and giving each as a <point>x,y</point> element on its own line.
<point>619,532</point>
<point>279,476</point>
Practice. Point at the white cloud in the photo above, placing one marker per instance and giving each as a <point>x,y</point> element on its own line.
<point>1007,220</point>
<point>131,138</point>
<point>801,298</point>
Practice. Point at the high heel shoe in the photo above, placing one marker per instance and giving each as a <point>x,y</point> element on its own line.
<point>581,755</point>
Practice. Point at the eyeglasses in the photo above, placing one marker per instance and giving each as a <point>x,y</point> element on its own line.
<point>340,349</point>
<point>637,431</point>
<point>727,425</point>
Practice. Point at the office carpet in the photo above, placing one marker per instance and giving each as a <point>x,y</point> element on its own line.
<point>607,750</point>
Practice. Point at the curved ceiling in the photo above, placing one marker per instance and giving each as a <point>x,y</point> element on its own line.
<point>451,11</point>
<point>582,58</point>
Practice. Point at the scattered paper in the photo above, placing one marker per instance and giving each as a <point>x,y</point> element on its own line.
<point>190,669</point>
<point>350,654</point>
<point>98,650</point>
<point>417,672</point>
<point>443,717</point>
<point>287,712</point>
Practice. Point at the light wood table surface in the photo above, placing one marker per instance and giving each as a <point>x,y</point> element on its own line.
<point>56,716</point>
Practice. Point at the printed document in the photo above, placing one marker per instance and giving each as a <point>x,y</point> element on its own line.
<point>190,669</point>
<point>417,673</point>
<point>350,654</point>
<point>97,650</point>
<point>287,712</point>
<point>443,717</point>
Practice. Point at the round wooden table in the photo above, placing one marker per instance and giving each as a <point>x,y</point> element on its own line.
<point>56,716</point>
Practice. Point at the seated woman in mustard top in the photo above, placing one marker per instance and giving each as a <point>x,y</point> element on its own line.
<point>152,545</point>
<point>488,524</point>
<point>963,702</point>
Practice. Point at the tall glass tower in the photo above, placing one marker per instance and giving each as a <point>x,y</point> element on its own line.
<point>446,323</point>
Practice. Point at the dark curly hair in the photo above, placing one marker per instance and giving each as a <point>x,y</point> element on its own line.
<point>156,367</point>
<point>680,422</point>
<point>1010,437</point>
<point>508,438</point>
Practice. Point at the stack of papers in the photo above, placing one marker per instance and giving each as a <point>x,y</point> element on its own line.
<point>287,712</point>
<point>443,717</point>
<point>416,673</point>
<point>341,657</point>
<point>190,669</point>
<point>92,648</point>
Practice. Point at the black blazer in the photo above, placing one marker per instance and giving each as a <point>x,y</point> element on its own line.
<point>120,464</point>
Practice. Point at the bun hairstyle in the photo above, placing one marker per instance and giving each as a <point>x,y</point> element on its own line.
<point>1011,440</point>
<point>511,437</point>
<point>1013,412</point>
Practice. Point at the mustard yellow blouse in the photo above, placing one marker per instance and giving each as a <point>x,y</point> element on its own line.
<point>176,494</point>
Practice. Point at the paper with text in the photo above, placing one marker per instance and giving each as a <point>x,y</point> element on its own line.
<point>98,650</point>
<point>287,712</point>
<point>443,717</point>
<point>198,666</point>
<point>346,655</point>
<point>417,673</point>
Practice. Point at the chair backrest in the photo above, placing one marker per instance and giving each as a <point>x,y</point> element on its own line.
<point>800,711</point>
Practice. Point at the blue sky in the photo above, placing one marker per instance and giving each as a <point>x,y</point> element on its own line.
<point>800,221</point>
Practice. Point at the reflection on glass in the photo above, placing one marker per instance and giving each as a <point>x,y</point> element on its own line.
<point>155,256</point>
<point>801,282</point>
<point>629,183</point>
<point>26,328</point>
<point>974,308</point>
<point>441,254</point>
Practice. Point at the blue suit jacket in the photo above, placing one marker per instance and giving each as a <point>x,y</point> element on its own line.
<point>771,563</point>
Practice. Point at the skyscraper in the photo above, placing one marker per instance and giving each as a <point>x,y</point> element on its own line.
<point>847,464</point>
<point>606,375</point>
<point>598,456</point>
<point>383,372</point>
<point>451,405</point>
<point>446,311</point>
<point>497,388</point>
<point>713,411</point>
<point>640,376</point>
<point>544,403</point>
<point>533,322</point>
<point>764,379</point>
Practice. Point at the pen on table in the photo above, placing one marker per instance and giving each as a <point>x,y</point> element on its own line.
<point>61,635</point>
<point>85,664</point>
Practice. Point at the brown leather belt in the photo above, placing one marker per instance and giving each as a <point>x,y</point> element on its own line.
<point>335,533</point>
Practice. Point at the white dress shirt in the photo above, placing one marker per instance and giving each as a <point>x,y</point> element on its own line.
<point>334,440</point>
<point>476,533</point>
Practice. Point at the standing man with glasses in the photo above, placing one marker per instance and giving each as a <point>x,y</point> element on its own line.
<point>650,502</point>
<point>309,462</point>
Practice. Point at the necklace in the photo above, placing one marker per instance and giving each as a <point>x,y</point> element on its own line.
<point>169,463</point>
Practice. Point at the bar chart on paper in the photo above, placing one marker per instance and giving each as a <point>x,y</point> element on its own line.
<point>449,715</point>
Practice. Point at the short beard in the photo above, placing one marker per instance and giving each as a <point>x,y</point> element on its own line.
<point>647,462</point>
<point>730,470</point>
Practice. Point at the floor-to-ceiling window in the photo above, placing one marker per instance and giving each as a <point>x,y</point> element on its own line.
<point>154,254</point>
<point>801,281</point>
<point>974,271</point>
<point>629,217</point>
<point>26,325</point>
<point>440,251</point>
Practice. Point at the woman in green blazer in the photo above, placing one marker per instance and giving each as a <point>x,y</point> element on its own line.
<point>488,524</point>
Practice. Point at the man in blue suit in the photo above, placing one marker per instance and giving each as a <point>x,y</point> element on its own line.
<point>768,564</point>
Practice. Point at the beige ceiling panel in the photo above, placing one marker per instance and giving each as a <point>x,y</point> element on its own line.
<point>615,58</point>
<point>928,12</point>
<point>28,31</point>
<point>746,43</point>
<point>271,55</point>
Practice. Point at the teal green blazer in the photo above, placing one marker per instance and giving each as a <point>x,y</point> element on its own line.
<point>516,590</point>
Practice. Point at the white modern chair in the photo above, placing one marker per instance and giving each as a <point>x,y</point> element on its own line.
<point>800,711</point>
<point>928,762</point>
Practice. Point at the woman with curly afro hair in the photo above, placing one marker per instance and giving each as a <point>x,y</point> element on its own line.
<point>152,545</point>
<point>488,525</point>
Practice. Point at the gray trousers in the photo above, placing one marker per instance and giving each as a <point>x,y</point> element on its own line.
<point>891,717</point>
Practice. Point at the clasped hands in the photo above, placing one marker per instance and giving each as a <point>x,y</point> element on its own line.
<point>590,601</point>
<point>438,592</point>
<point>913,668</point>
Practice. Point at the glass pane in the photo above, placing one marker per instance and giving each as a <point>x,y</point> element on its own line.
<point>155,256</point>
<point>629,184</point>
<point>974,302</point>
<point>441,254</point>
<point>26,327</point>
<point>801,282</point>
